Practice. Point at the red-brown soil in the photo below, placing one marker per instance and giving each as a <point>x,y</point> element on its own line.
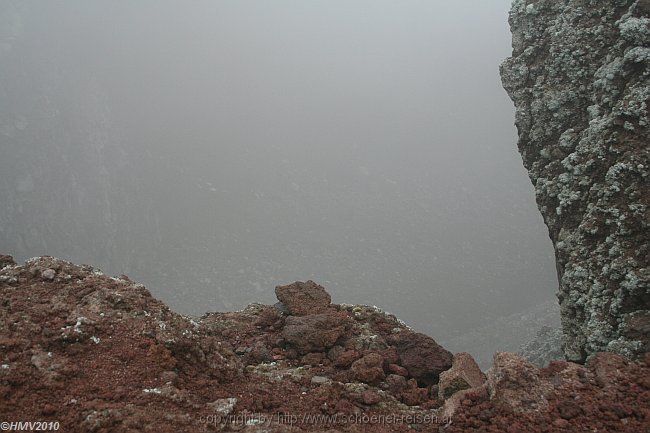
<point>100,354</point>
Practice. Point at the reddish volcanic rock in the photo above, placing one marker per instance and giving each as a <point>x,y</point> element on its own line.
<point>463,374</point>
<point>313,333</point>
<point>608,367</point>
<point>343,358</point>
<point>516,383</point>
<point>302,298</point>
<point>423,358</point>
<point>100,354</point>
<point>414,396</point>
<point>396,384</point>
<point>370,397</point>
<point>369,369</point>
<point>398,369</point>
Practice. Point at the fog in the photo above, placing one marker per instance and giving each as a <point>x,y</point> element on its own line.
<point>213,150</point>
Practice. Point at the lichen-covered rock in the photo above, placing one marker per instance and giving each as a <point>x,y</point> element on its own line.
<point>302,298</point>
<point>578,76</point>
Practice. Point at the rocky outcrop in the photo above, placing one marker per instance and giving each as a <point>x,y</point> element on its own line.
<point>578,76</point>
<point>100,354</point>
<point>605,395</point>
<point>97,353</point>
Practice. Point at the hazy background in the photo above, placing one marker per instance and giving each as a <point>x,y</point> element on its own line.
<point>215,149</point>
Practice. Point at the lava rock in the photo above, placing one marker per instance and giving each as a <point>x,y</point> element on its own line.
<point>314,333</point>
<point>423,358</point>
<point>303,298</point>
<point>515,383</point>
<point>463,374</point>
<point>369,369</point>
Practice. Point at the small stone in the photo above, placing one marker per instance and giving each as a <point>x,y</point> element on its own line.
<point>48,409</point>
<point>320,380</point>
<point>370,397</point>
<point>346,358</point>
<point>396,383</point>
<point>223,406</point>
<point>48,274</point>
<point>168,376</point>
<point>561,423</point>
<point>398,369</point>
<point>369,369</point>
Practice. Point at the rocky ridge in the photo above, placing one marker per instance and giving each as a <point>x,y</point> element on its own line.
<point>97,353</point>
<point>578,77</point>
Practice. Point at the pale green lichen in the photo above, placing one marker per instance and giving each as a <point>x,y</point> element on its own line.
<point>579,79</point>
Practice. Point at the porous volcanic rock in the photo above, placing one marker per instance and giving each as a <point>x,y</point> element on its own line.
<point>316,332</point>
<point>578,77</point>
<point>302,298</point>
<point>369,369</point>
<point>516,383</point>
<point>100,354</point>
<point>463,374</point>
<point>423,358</point>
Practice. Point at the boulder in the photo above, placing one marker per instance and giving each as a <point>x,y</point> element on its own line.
<point>423,358</point>
<point>516,384</point>
<point>303,298</point>
<point>463,374</point>
<point>314,333</point>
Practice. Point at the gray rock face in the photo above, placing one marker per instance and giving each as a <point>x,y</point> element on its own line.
<point>544,348</point>
<point>578,77</point>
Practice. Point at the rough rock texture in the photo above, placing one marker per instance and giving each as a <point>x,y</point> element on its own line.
<point>422,357</point>
<point>301,298</point>
<point>578,76</point>
<point>463,374</point>
<point>514,382</point>
<point>545,347</point>
<point>313,333</point>
<point>100,354</point>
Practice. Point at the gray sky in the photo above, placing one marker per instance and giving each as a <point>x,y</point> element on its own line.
<point>365,144</point>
